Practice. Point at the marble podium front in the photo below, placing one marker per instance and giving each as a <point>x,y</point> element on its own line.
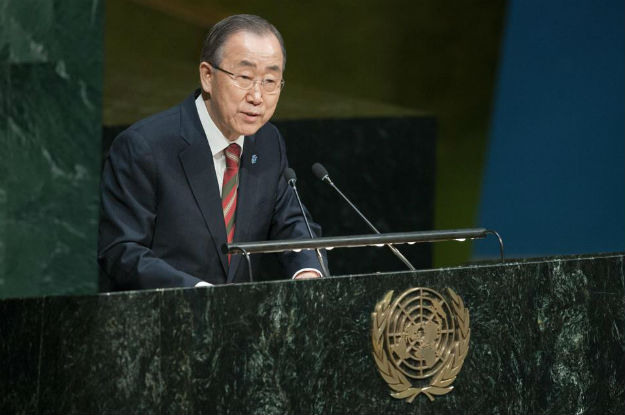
<point>546,337</point>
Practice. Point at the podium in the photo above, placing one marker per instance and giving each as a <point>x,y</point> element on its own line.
<point>547,336</point>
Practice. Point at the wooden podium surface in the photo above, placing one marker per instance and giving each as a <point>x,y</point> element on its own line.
<point>547,336</point>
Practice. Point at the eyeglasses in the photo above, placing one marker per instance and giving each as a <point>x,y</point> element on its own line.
<point>270,86</point>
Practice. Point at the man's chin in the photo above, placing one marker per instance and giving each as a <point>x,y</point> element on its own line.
<point>250,129</point>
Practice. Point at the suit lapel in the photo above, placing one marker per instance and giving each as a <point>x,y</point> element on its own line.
<point>198,166</point>
<point>246,197</point>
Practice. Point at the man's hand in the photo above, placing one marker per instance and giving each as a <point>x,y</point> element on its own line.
<point>307,274</point>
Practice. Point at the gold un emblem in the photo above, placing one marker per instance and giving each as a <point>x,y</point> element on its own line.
<point>419,336</point>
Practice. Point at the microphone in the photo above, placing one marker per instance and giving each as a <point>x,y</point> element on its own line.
<point>289,175</point>
<point>322,174</point>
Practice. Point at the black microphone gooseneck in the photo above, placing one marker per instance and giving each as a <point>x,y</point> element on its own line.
<point>289,175</point>
<point>323,175</point>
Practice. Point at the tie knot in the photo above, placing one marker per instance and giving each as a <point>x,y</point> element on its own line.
<point>233,153</point>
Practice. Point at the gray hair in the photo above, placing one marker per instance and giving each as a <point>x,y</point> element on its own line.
<point>218,35</point>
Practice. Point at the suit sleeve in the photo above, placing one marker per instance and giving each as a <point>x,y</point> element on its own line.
<point>129,202</point>
<point>288,222</point>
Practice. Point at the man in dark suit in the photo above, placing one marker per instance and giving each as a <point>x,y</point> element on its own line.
<point>178,185</point>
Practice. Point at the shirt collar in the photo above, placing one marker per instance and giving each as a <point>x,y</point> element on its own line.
<point>216,140</point>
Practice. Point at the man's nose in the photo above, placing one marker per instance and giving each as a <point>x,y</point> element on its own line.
<point>256,93</point>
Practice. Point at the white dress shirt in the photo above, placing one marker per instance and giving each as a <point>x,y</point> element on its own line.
<point>218,144</point>
<point>216,140</point>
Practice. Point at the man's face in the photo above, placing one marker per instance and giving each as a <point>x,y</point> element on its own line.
<point>236,111</point>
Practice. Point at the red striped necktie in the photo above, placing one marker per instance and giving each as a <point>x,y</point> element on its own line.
<point>229,189</point>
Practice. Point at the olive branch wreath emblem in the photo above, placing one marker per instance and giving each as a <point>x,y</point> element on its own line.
<point>453,358</point>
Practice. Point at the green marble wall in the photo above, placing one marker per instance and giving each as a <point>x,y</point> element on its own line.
<point>547,337</point>
<point>50,127</point>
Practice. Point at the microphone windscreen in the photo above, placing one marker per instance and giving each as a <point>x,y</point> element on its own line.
<point>289,174</point>
<point>319,171</point>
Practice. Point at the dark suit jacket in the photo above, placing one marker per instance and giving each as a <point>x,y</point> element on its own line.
<point>162,223</point>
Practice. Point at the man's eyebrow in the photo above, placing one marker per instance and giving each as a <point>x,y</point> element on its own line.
<point>274,68</point>
<point>246,63</point>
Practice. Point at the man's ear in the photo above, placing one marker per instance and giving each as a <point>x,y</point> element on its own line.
<point>206,75</point>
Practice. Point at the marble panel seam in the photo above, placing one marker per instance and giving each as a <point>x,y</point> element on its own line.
<point>40,352</point>
<point>161,300</point>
